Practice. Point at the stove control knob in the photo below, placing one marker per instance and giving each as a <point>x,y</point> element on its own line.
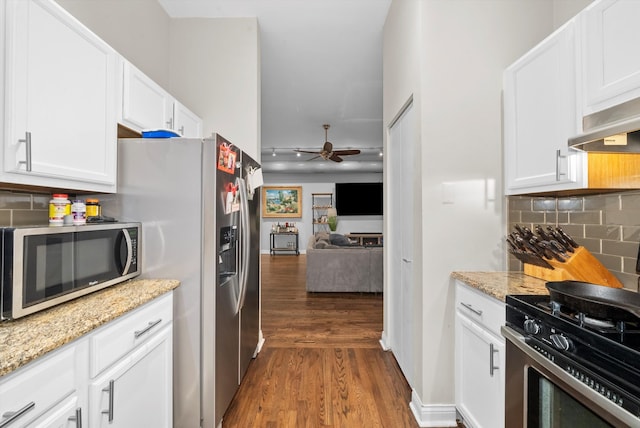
<point>561,342</point>
<point>531,327</point>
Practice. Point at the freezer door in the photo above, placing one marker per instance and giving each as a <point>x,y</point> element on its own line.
<point>229,273</point>
<point>250,311</point>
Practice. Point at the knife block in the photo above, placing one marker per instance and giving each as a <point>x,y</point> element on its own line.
<point>581,266</point>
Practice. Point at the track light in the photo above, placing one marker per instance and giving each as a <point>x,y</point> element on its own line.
<point>273,152</point>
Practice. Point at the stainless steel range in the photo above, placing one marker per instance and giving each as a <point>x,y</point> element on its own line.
<point>573,358</point>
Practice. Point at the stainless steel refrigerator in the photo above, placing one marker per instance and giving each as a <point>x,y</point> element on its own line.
<point>199,204</point>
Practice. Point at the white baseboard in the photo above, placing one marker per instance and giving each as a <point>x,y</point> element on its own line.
<point>260,343</point>
<point>432,415</point>
<point>384,343</point>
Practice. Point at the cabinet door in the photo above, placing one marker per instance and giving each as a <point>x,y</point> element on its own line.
<point>612,66</point>
<point>40,390</point>
<point>186,122</point>
<point>479,375</point>
<point>66,414</point>
<point>146,105</point>
<point>540,114</point>
<point>137,391</point>
<point>60,100</point>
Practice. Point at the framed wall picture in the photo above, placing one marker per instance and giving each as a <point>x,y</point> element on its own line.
<point>281,201</point>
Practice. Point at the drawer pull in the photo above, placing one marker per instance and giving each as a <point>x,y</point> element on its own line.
<point>472,309</point>
<point>152,324</point>
<point>77,418</point>
<point>12,416</point>
<point>109,390</point>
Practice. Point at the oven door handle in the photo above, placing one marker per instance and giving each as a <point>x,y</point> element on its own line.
<point>607,405</point>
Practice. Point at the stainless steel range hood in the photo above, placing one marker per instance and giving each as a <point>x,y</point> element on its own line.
<point>614,130</point>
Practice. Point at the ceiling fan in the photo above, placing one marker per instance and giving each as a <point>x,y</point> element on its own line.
<point>327,152</point>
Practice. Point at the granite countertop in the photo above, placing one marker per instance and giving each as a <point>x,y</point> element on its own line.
<point>25,339</point>
<point>499,284</point>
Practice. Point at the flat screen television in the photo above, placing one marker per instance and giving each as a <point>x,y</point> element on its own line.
<point>358,199</point>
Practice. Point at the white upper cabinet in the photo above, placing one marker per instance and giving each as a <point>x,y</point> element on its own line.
<point>60,100</point>
<point>146,105</point>
<point>186,122</point>
<point>611,39</point>
<point>540,113</point>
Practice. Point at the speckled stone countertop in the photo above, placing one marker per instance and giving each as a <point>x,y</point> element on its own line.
<point>499,284</point>
<point>25,339</point>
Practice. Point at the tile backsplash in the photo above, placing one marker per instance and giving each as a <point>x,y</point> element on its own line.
<point>608,225</point>
<point>20,209</point>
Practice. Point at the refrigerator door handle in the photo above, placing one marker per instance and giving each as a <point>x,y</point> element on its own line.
<point>245,236</point>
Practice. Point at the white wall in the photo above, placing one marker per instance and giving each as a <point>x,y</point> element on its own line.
<point>138,30</point>
<point>215,71</point>
<point>318,183</point>
<point>449,56</point>
<point>210,65</point>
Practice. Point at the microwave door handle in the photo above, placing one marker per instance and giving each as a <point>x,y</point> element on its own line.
<point>127,240</point>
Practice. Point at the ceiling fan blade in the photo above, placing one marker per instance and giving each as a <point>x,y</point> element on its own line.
<point>307,151</point>
<point>346,152</point>
<point>334,157</point>
<point>327,147</point>
<point>315,157</point>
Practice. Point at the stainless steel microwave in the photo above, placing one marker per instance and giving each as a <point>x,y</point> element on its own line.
<point>45,266</point>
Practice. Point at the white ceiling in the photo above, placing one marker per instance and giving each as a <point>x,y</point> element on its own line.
<point>321,63</point>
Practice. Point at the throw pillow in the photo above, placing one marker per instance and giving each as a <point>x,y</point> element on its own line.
<point>322,236</point>
<point>337,239</point>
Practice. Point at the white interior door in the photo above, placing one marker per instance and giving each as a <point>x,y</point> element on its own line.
<point>400,194</point>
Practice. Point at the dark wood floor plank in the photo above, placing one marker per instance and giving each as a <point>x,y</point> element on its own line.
<point>321,364</point>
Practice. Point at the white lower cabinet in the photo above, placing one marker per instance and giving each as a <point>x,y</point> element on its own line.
<point>131,369</point>
<point>120,375</point>
<point>479,358</point>
<point>66,414</point>
<point>137,391</point>
<point>49,392</point>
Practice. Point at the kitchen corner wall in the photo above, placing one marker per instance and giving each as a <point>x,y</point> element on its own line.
<point>22,209</point>
<point>607,225</point>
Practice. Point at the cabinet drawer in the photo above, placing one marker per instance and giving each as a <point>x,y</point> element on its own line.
<point>44,383</point>
<point>480,307</point>
<point>116,339</point>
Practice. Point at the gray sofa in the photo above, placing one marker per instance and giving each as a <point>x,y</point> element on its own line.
<point>339,268</point>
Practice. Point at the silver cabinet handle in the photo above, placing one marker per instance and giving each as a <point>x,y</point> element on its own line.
<point>27,142</point>
<point>151,324</point>
<point>181,129</point>
<point>170,123</point>
<point>558,172</point>
<point>472,309</point>
<point>12,416</point>
<point>109,390</point>
<point>492,366</point>
<point>77,418</point>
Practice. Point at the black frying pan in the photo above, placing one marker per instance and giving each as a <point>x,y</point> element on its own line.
<point>596,301</point>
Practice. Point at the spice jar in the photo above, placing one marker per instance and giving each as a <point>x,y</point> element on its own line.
<point>59,206</point>
<point>93,208</point>
<point>79,212</point>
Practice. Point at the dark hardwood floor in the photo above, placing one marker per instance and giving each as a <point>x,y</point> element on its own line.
<point>321,364</point>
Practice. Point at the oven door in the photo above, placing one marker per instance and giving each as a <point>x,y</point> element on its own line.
<point>540,394</point>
